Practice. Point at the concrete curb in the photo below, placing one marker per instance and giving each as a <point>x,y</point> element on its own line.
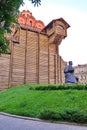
<point>20,117</point>
<point>36,119</point>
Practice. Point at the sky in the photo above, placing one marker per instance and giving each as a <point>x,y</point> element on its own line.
<point>74,12</point>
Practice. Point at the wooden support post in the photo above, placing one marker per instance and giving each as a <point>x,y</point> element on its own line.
<point>38,60</point>
<point>55,69</point>
<point>48,65</point>
<point>25,58</point>
<point>11,65</point>
<point>60,71</point>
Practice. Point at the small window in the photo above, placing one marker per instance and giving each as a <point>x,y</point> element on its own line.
<point>30,23</point>
<point>60,26</point>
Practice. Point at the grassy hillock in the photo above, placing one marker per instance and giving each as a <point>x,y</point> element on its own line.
<point>60,105</point>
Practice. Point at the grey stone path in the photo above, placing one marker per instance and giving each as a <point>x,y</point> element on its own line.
<point>12,123</point>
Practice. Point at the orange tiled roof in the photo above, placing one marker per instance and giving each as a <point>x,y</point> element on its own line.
<point>25,18</point>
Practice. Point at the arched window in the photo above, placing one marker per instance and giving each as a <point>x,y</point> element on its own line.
<point>60,26</point>
<point>30,23</point>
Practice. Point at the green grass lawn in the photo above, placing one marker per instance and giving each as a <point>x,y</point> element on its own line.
<point>21,100</point>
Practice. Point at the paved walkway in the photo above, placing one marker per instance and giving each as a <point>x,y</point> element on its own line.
<point>10,122</point>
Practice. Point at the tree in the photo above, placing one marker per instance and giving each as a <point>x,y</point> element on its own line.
<point>36,2</point>
<point>9,9</point>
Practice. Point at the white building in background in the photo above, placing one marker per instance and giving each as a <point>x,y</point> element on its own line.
<point>81,72</point>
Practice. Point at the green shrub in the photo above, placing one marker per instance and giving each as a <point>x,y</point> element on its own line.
<point>70,115</point>
<point>47,115</point>
<point>62,87</point>
<point>73,115</point>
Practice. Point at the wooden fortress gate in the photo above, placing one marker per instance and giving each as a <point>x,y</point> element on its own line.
<point>34,57</point>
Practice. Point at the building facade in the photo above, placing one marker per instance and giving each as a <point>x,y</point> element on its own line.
<point>81,73</point>
<point>34,53</point>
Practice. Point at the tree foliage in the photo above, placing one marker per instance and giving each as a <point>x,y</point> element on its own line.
<point>8,12</point>
<point>36,2</point>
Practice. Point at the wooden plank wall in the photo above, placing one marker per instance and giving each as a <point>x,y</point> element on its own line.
<point>59,69</point>
<point>4,71</point>
<point>61,66</point>
<point>43,59</point>
<point>18,60</point>
<point>32,57</point>
<point>33,60</point>
<point>56,68</point>
<point>52,63</point>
